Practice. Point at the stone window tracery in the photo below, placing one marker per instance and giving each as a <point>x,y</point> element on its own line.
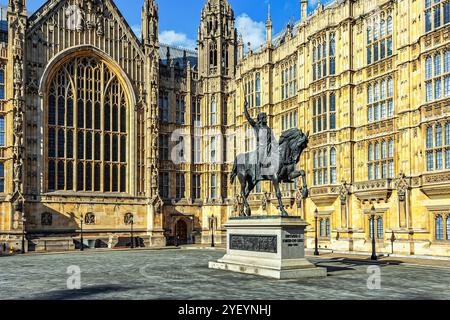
<point>2,83</point>
<point>379,38</point>
<point>438,146</point>
<point>380,100</point>
<point>437,14</point>
<point>324,112</point>
<point>442,227</point>
<point>324,166</point>
<point>437,75</point>
<point>87,128</point>
<point>288,80</point>
<point>380,163</point>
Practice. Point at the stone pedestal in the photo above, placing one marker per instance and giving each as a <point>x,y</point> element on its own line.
<point>270,246</point>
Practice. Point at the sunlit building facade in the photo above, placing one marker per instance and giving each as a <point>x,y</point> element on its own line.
<point>126,133</point>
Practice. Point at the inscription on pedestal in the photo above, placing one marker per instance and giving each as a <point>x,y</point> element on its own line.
<point>258,243</point>
<point>293,240</point>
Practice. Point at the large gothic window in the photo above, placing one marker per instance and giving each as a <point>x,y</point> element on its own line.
<point>87,128</point>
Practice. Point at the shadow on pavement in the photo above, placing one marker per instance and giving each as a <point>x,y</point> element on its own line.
<point>83,293</point>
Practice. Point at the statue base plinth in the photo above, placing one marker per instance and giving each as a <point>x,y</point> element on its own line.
<point>269,246</point>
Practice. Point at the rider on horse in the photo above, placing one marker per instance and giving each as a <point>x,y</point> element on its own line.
<point>264,140</point>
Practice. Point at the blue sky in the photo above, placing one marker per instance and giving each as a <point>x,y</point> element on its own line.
<point>179,19</point>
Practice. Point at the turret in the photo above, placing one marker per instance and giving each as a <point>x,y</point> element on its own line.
<point>150,23</point>
<point>304,9</point>
<point>217,40</point>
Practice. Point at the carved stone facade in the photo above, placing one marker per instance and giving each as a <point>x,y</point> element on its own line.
<point>353,73</point>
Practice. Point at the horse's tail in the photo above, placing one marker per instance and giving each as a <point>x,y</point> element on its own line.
<point>234,171</point>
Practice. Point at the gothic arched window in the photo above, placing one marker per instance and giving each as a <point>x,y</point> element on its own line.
<point>213,54</point>
<point>439,228</point>
<point>86,128</point>
<point>2,84</point>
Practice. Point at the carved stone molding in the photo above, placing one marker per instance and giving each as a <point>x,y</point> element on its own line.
<point>436,184</point>
<point>376,190</point>
<point>324,196</point>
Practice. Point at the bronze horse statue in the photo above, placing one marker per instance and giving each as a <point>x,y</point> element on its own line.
<point>283,160</point>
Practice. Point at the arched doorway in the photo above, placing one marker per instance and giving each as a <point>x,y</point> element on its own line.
<point>181,233</point>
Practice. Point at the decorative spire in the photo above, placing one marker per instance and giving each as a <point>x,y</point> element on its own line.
<point>150,22</point>
<point>268,27</point>
<point>304,9</point>
<point>17,6</point>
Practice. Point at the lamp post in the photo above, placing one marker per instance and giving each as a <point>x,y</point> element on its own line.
<point>23,233</point>
<point>212,231</point>
<point>81,233</point>
<point>372,221</point>
<point>132,233</point>
<point>316,239</point>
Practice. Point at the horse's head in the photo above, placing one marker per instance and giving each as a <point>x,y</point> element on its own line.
<point>301,144</point>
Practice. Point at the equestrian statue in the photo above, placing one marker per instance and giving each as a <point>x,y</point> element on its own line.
<point>271,161</point>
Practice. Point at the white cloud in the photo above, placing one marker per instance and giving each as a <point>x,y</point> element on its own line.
<point>252,31</point>
<point>173,38</point>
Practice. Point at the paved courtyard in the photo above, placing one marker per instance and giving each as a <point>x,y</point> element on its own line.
<point>183,274</point>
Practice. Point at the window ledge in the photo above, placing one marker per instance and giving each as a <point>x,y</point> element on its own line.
<point>81,194</point>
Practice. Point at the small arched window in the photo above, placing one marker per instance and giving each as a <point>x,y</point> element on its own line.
<point>322,228</point>
<point>437,65</point>
<point>447,61</point>
<point>438,133</point>
<point>389,25</point>
<point>391,148</point>
<point>2,84</point>
<point>429,67</point>
<point>380,230</point>
<point>448,228</point>
<point>327,227</point>
<point>430,137</point>
<point>213,111</point>
<point>439,228</point>
<point>377,151</point>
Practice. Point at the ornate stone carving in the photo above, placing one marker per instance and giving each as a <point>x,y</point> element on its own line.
<point>89,218</point>
<point>87,14</point>
<point>402,187</point>
<point>157,204</point>
<point>265,201</point>
<point>128,218</point>
<point>237,205</point>
<point>299,197</point>
<point>257,243</point>
<point>344,191</point>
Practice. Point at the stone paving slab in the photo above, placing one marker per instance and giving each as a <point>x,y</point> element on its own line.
<point>184,274</point>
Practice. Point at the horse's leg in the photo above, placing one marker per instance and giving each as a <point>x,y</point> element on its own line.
<point>301,173</point>
<point>295,174</point>
<point>278,193</point>
<point>249,187</point>
<point>243,183</point>
<point>305,186</point>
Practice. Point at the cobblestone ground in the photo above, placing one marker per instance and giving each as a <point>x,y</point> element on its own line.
<point>183,274</point>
